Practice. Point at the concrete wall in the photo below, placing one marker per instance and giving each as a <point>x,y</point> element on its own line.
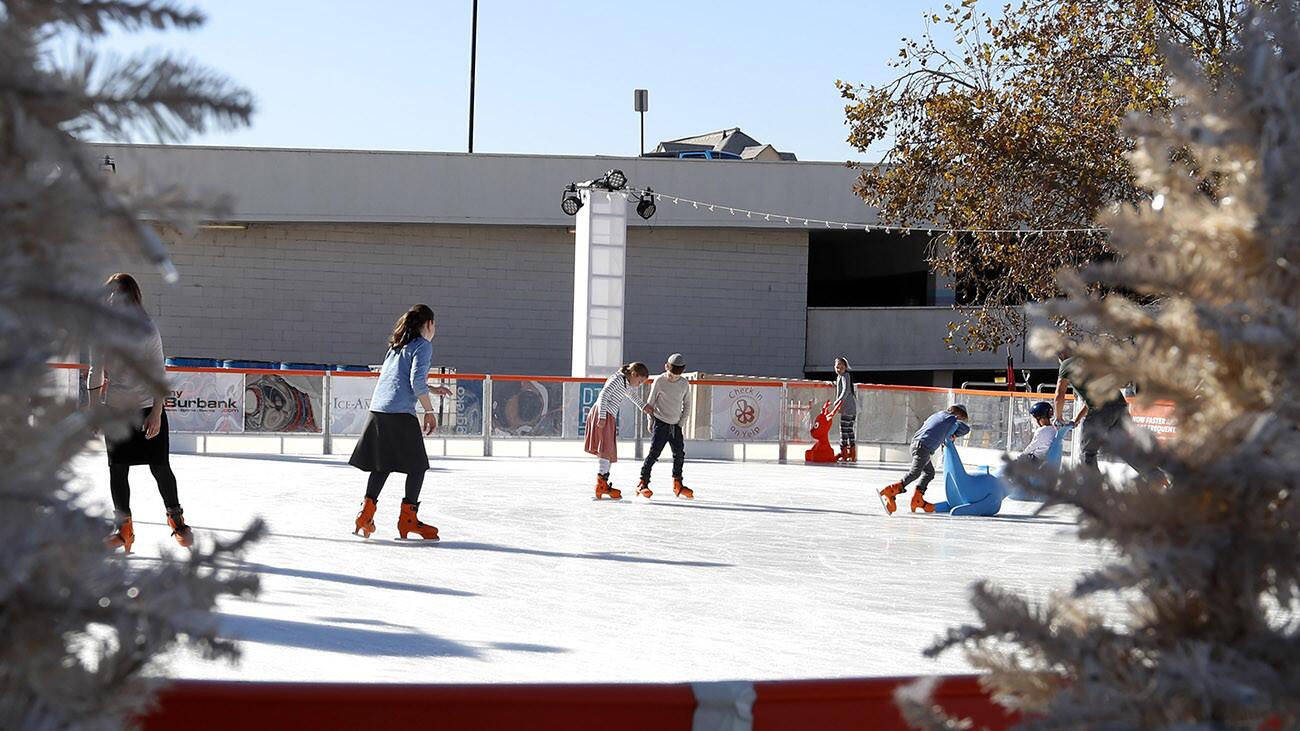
<point>895,338</point>
<point>732,300</point>
<point>355,186</point>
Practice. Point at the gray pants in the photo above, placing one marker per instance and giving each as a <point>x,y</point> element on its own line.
<point>921,467</point>
<point>1106,423</point>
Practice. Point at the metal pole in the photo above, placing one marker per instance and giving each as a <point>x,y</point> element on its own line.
<point>1011,421</point>
<point>473,63</point>
<point>327,438</point>
<point>783,444</point>
<point>640,430</point>
<point>487,416</point>
<point>641,103</point>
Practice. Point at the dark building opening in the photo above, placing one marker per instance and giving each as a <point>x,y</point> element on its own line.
<point>869,269</point>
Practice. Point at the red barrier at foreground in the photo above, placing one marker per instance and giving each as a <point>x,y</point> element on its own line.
<point>866,703</point>
<point>799,705</point>
<point>214,706</point>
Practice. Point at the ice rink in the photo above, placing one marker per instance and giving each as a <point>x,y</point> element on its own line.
<point>774,571</point>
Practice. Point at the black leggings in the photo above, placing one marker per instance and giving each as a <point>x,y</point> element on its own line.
<point>414,483</point>
<point>120,486</point>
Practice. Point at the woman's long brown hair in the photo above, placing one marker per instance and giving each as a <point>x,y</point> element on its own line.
<point>636,367</point>
<point>125,285</point>
<point>409,325</point>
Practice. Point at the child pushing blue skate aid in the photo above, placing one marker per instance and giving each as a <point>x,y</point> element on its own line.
<point>981,491</point>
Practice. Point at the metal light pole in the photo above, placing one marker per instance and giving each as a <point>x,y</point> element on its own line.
<point>473,61</point>
<point>641,101</point>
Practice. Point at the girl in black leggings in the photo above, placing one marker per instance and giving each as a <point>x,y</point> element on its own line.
<point>146,442</point>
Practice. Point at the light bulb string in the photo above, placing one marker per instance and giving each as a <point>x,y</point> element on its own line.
<point>771,217</point>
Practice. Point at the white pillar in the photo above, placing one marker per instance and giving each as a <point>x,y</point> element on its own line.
<point>598,283</point>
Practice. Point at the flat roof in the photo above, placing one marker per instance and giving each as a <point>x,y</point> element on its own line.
<point>287,185</point>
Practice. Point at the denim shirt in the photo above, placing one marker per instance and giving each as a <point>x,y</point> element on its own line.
<point>937,428</point>
<point>404,378</point>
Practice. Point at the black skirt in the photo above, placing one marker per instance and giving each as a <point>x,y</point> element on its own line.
<point>391,443</point>
<point>135,449</point>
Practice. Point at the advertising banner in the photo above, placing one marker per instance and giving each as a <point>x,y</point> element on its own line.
<point>746,413</point>
<point>588,394</point>
<point>469,408</point>
<point>1158,417</point>
<point>527,409</point>
<point>350,403</point>
<point>205,403</point>
<point>282,404</point>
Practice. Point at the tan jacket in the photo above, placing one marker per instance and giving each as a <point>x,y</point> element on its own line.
<point>670,399</point>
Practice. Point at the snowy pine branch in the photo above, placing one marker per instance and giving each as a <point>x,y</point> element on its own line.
<point>1200,307</point>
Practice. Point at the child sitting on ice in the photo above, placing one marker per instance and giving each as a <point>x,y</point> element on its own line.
<point>1042,440</point>
<point>942,425</point>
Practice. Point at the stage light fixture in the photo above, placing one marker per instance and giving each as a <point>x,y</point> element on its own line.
<point>646,207</point>
<point>615,180</point>
<point>571,203</point>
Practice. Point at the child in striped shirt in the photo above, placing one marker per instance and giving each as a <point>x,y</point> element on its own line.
<point>602,434</point>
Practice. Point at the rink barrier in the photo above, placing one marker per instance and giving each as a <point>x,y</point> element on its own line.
<point>312,394</point>
<point>999,419</point>
<point>781,705</point>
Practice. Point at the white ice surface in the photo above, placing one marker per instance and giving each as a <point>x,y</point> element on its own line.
<point>774,571</point>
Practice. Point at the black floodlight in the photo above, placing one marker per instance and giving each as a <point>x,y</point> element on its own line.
<point>572,202</point>
<point>615,180</point>
<point>646,207</point>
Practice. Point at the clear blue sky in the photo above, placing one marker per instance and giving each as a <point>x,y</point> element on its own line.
<point>553,77</point>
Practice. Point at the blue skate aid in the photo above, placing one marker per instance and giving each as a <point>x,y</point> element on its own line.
<point>969,493</point>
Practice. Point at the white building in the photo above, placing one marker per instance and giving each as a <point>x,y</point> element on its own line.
<point>327,248</point>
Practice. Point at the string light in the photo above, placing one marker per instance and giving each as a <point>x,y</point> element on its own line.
<point>1020,233</point>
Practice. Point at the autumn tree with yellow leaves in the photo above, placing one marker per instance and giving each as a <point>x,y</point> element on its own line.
<point>1013,119</point>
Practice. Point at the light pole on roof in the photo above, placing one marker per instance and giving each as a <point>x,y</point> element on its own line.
<point>641,102</point>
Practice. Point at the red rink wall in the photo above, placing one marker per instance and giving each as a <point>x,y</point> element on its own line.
<point>795,705</point>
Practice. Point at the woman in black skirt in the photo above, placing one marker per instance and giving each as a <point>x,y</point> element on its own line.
<point>393,440</point>
<point>122,387</point>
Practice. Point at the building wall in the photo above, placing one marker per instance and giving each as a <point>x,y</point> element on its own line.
<point>731,300</point>
<point>360,186</point>
<point>900,339</point>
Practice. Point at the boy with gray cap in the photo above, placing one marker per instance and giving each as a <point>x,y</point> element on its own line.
<point>669,405</point>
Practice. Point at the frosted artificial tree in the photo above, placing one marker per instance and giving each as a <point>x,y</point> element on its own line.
<point>81,632</point>
<point>1201,308</point>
